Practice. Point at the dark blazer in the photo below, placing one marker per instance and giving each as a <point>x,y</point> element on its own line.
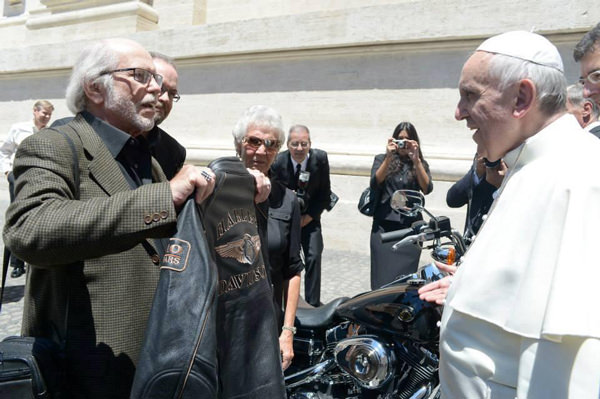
<point>283,239</point>
<point>319,186</point>
<point>478,197</point>
<point>84,247</point>
<point>596,131</point>
<point>168,152</point>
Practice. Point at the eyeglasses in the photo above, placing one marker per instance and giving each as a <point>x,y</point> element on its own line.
<point>592,77</point>
<point>255,143</point>
<point>302,144</point>
<point>173,95</point>
<point>140,75</point>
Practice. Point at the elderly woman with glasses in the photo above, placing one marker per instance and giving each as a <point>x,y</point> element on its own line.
<point>258,135</point>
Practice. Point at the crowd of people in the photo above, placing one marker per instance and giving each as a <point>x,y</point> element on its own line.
<point>98,194</point>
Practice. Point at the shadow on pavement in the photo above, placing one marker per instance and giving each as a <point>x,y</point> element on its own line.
<point>13,293</point>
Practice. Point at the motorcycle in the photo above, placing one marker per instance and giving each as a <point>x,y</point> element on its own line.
<point>382,343</point>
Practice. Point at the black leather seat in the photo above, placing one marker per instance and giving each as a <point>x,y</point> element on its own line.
<point>309,317</point>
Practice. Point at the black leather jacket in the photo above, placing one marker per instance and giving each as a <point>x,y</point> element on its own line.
<point>212,331</point>
<point>179,354</point>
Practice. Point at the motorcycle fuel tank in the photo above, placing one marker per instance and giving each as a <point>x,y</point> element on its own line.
<point>396,309</point>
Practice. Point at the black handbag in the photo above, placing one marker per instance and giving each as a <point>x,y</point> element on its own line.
<point>22,360</point>
<point>368,201</point>
<point>333,199</point>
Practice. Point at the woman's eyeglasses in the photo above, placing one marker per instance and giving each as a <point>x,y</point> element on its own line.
<point>255,143</point>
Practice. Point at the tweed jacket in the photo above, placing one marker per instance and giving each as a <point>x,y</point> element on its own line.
<point>318,189</point>
<point>84,247</point>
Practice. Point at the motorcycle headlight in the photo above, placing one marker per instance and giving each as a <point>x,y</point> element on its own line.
<point>368,360</point>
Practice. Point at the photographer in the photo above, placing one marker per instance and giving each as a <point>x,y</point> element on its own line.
<point>401,167</point>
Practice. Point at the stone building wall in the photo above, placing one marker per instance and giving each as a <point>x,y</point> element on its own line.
<point>350,72</point>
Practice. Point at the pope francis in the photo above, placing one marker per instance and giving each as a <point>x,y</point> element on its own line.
<point>521,317</point>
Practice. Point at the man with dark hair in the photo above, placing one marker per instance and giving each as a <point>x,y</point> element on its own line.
<point>42,112</point>
<point>90,203</point>
<point>306,171</point>
<point>167,151</point>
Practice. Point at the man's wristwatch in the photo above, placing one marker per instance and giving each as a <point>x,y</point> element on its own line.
<point>292,329</point>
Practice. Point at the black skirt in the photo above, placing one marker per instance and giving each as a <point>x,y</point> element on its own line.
<point>386,264</point>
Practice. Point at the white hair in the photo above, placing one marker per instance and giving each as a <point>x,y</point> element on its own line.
<point>258,116</point>
<point>89,67</point>
<point>550,83</point>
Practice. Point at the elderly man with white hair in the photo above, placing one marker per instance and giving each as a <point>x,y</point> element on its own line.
<point>520,318</point>
<point>91,204</point>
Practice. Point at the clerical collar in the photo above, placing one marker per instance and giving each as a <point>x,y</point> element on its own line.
<point>303,163</point>
<point>535,145</point>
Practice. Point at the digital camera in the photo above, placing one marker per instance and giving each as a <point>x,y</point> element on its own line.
<point>400,143</point>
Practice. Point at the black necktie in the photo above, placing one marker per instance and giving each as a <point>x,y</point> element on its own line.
<point>297,175</point>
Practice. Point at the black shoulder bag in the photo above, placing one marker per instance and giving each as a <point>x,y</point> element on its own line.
<point>368,201</point>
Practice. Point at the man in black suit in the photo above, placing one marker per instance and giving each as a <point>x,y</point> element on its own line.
<point>306,171</point>
<point>476,190</point>
<point>167,151</point>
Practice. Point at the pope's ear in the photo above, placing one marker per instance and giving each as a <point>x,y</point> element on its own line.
<point>94,92</point>
<point>525,98</point>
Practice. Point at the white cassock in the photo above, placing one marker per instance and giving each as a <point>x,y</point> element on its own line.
<point>522,316</point>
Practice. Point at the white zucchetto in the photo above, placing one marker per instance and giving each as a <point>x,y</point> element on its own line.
<point>526,46</point>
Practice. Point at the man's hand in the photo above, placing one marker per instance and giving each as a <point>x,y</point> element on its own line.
<point>436,291</point>
<point>480,167</point>
<point>495,175</point>
<point>305,219</point>
<point>190,178</point>
<point>263,186</point>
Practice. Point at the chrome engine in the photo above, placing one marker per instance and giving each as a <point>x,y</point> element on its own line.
<point>367,359</point>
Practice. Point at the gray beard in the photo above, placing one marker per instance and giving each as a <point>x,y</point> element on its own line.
<point>127,110</point>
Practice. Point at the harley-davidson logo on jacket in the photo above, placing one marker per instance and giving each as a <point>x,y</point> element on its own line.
<point>239,251</point>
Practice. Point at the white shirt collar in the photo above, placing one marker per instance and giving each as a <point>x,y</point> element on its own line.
<point>303,163</point>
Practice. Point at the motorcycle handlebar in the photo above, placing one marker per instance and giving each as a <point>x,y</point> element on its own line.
<point>398,235</point>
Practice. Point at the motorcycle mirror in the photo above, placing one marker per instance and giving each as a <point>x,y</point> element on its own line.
<point>407,202</point>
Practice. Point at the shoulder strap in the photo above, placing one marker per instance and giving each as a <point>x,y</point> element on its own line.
<point>75,162</point>
<point>5,260</point>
